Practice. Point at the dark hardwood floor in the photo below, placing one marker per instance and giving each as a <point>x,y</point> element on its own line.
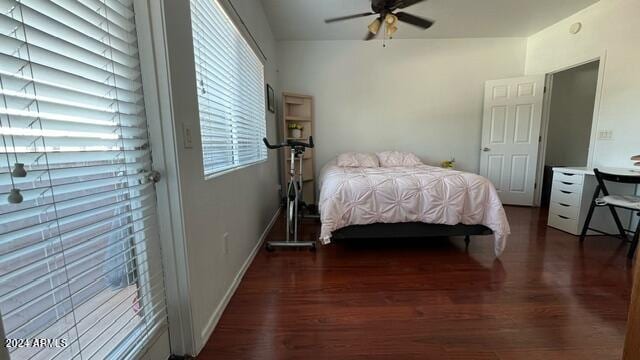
<point>546,297</point>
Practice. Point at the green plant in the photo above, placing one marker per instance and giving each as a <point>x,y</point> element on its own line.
<point>295,126</point>
<point>449,164</point>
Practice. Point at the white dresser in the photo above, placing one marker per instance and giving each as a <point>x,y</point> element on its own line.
<point>571,195</point>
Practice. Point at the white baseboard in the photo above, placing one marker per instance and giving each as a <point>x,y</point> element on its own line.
<point>215,317</point>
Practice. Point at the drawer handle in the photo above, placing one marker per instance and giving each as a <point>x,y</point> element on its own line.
<point>568,174</point>
<point>566,183</point>
<point>563,217</point>
<point>565,205</point>
<point>566,192</point>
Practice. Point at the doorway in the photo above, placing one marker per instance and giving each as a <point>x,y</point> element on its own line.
<point>567,123</point>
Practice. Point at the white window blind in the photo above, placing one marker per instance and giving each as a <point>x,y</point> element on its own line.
<point>80,254</point>
<point>231,95</point>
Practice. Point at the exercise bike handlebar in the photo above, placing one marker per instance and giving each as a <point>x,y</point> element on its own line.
<point>289,143</point>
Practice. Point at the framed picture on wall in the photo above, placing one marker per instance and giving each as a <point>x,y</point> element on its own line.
<point>271,99</point>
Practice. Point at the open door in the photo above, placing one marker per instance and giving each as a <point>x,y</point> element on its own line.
<point>510,136</point>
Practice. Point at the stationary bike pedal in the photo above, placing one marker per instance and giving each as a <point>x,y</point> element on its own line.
<point>311,216</point>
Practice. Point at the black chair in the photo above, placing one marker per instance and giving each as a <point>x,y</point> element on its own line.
<point>614,201</point>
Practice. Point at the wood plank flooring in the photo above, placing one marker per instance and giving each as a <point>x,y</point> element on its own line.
<point>547,297</point>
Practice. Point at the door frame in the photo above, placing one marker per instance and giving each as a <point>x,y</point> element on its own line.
<point>150,25</point>
<point>4,350</point>
<point>546,112</point>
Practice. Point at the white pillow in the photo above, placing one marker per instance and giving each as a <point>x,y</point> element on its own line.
<point>398,158</point>
<point>353,159</point>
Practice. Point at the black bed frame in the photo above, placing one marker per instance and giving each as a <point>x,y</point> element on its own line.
<point>409,230</point>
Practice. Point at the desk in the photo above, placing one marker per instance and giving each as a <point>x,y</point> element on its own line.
<point>571,195</point>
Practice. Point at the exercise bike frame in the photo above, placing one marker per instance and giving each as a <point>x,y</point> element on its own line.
<point>294,194</point>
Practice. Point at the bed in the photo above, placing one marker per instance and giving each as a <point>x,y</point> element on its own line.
<point>413,200</point>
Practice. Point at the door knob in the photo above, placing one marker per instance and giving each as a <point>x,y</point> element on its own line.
<point>153,176</point>
<point>486,149</point>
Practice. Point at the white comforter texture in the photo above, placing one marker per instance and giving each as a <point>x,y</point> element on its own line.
<point>359,196</point>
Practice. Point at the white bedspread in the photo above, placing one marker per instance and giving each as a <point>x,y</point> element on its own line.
<point>359,196</point>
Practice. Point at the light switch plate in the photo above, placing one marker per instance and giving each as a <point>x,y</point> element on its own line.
<point>187,137</point>
<point>605,135</point>
<point>225,242</point>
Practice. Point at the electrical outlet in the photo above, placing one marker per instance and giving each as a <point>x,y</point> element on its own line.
<point>187,137</point>
<point>225,243</point>
<point>605,135</point>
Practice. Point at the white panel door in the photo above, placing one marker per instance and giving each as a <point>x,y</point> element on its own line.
<point>510,136</point>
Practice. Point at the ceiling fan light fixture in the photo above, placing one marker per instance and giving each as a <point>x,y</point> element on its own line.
<point>374,27</point>
<point>391,29</point>
<point>391,22</point>
<point>391,19</point>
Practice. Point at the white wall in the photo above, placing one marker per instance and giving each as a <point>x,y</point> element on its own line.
<point>571,115</point>
<point>609,26</point>
<point>240,203</point>
<point>424,96</point>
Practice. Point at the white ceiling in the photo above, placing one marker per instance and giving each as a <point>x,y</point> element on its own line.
<point>303,19</point>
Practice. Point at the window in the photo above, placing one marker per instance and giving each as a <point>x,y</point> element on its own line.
<point>79,249</point>
<point>231,96</point>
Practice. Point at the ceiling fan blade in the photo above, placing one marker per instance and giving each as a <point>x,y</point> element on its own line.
<point>348,17</point>
<point>414,20</point>
<point>401,4</point>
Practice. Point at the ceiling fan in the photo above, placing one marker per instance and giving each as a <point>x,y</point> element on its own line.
<point>386,11</point>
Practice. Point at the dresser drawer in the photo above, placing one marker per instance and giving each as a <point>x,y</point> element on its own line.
<point>567,187</point>
<point>563,223</point>
<point>568,211</point>
<point>568,177</point>
<point>565,196</point>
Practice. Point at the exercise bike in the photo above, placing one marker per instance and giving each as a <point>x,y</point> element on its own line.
<point>294,201</point>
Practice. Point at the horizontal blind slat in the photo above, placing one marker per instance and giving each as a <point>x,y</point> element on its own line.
<point>78,16</point>
<point>59,38</point>
<point>13,67</point>
<point>67,297</point>
<point>22,268</point>
<point>121,175</point>
<point>101,72</point>
<point>156,302</point>
<point>133,228</point>
<point>82,222</point>
<point>82,198</point>
<point>20,292</point>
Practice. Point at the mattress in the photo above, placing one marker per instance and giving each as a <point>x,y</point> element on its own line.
<point>360,196</point>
